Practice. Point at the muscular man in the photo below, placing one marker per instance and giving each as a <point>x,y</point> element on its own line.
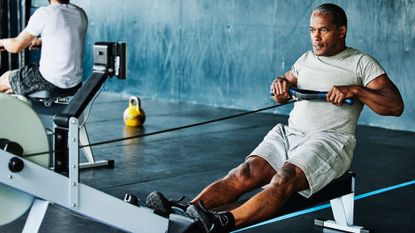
<point>62,27</point>
<point>317,145</point>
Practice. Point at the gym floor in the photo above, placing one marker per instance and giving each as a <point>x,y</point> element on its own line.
<point>182,162</point>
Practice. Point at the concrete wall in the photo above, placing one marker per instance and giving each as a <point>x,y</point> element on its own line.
<point>226,52</point>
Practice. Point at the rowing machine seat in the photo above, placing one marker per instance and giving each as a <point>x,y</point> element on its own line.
<point>60,96</point>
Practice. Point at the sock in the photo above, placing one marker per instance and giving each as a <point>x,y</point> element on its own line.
<point>228,220</point>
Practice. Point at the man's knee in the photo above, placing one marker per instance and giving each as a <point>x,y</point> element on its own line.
<point>290,177</point>
<point>254,169</point>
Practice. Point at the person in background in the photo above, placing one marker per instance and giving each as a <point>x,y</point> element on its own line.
<point>59,29</point>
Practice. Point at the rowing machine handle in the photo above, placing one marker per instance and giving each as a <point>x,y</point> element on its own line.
<point>302,94</point>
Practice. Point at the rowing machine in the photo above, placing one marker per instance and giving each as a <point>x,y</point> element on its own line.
<point>27,184</point>
<point>49,103</point>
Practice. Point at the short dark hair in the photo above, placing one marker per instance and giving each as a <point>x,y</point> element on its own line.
<point>339,16</point>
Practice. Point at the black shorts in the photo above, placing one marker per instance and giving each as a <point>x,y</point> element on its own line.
<point>28,79</point>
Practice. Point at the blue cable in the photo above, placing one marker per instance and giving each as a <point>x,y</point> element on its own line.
<point>325,206</point>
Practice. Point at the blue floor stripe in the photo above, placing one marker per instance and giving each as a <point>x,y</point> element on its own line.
<point>375,192</point>
<point>325,206</point>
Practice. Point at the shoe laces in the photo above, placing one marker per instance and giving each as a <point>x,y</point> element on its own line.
<point>218,218</point>
<point>203,207</point>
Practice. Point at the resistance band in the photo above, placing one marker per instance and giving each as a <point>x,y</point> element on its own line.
<point>172,129</point>
<point>299,94</point>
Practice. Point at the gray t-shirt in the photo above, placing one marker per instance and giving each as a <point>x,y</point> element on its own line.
<point>62,28</point>
<point>350,67</point>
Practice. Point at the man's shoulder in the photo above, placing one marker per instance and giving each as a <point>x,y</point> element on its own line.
<point>355,53</point>
<point>63,9</point>
<point>360,56</point>
<point>59,7</point>
<point>40,14</point>
<point>75,6</point>
<point>306,56</point>
<point>41,9</point>
<point>308,53</point>
<point>46,9</point>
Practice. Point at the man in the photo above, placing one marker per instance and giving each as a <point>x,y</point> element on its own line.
<point>317,145</point>
<point>62,27</point>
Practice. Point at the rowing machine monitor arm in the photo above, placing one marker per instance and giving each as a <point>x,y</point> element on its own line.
<point>110,59</point>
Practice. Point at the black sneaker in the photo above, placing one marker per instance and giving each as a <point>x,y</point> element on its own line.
<point>163,206</point>
<point>209,221</point>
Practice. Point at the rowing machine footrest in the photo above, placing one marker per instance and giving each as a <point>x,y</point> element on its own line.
<point>320,223</point>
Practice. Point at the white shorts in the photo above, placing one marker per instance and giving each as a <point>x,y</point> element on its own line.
<point>322,156</point>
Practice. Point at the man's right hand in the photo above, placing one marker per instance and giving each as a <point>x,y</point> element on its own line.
<point>35,44</point>
<point>279,90</point>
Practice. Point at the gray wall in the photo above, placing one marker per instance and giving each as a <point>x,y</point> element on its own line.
<point>226,52</point>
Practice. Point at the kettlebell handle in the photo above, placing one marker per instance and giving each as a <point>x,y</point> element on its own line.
<point>137,101</point>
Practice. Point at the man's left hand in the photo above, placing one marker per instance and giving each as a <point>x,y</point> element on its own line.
<point>338,94</point>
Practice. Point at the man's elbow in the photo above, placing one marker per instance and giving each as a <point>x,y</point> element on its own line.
<point>399,107</point>
<point>396,110</point>
<point>399,110</point>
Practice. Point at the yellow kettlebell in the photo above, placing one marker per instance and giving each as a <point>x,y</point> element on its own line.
<point>134,116</point>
